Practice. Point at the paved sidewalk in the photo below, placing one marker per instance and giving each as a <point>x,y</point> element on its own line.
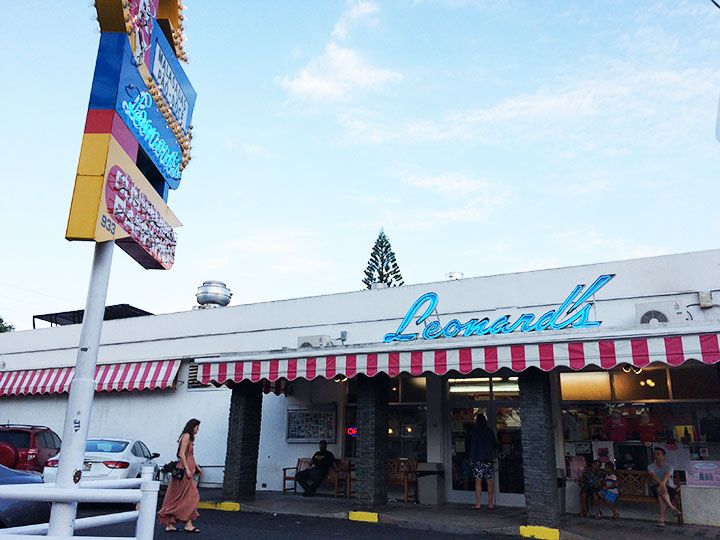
<point>462,519</point>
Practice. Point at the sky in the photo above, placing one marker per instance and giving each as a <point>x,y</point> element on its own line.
<point>483,136</point>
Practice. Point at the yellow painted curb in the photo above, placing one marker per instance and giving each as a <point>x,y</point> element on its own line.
<point>370,517</point>
<point>542,533</point>
<point>225,506</point>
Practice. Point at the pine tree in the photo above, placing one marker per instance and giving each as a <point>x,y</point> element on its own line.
<point>382,266</point>
<point>5,327</point>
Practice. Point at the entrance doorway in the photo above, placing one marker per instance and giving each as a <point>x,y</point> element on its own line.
<point>503,414</point>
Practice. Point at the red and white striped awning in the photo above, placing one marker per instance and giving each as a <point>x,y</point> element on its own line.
<point>157,375</point>
<point>606,354</point>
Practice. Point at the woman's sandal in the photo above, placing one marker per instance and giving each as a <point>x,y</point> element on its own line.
<point>171,530</point>
<point>193,530</point>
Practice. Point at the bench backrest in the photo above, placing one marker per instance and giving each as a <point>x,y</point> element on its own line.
<point>633,483</point>
<point>341,466</point>
<point>398,468</point>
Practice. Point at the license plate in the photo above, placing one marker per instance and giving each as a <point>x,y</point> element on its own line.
<point>87,466</point>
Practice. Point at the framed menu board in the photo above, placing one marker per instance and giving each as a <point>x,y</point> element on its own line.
<point>311,425</point>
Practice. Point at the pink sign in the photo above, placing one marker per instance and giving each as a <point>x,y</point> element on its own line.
<point>152,239</point>
<point>703,473</point>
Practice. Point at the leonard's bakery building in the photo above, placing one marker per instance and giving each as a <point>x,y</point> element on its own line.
<point>603,361</point>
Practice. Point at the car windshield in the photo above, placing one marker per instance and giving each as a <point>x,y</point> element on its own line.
<point>18,439</point>
<point>105,445</point>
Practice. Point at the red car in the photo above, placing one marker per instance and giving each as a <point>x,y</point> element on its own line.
<point>27,448</point>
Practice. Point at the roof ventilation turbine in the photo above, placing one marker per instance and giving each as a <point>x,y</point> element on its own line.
<point>213,294</point>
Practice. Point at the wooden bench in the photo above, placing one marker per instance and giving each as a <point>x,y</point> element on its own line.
<point>635,486</point>
<point>402,472</point>
<point>339,477</point>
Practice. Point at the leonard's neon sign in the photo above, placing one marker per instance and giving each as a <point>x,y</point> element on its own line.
<point>574,312</point>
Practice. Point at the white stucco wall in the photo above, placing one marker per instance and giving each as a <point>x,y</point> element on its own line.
<point>154,417</point>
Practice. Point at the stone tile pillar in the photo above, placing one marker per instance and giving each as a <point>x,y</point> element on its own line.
<point>541,492</point>
<point>243,441</point>
<point>372,441</point>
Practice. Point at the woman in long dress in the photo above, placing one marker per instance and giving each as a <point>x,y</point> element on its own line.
<point>182,496</point>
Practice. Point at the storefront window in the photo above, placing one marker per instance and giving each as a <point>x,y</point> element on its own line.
<point>676,408</point>
<point>594,385</point>
<point>633,385</point>
<point>407,423</point>
<point>691,381</point>
<point>695,382</point>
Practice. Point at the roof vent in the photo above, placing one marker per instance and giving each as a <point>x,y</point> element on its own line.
<point>213,294</point>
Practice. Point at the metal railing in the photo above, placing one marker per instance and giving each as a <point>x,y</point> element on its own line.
<point>142,491</point>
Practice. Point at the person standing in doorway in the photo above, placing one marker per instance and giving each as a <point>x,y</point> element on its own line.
<point>663,488</point>
<point>182,496</point>
<point>482,454</point>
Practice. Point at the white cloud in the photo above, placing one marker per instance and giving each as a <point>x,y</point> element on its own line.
<point>356,12</point>
<point>452,184</point>
<point>338,73</point>
<point>461,198</point>
<point>621,104</point>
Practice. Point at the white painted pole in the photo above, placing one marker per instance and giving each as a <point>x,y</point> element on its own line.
<point>82,392</point>
<point>145,526</point>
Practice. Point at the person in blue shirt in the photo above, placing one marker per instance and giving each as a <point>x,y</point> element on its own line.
<point>482,455</point>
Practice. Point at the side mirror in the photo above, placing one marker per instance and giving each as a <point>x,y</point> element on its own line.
<point>154,455</point>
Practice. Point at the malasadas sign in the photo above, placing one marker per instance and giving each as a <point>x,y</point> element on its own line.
<point>137,132</point>
<point>574,312</point>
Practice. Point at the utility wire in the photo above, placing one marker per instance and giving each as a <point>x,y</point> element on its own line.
<point>716,4</point>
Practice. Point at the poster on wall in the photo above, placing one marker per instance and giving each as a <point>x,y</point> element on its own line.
<point>311,425</point>
<point>703,473</point>
<point>604,451</point>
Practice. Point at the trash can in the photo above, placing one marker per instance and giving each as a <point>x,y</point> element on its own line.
<point>431,483</point>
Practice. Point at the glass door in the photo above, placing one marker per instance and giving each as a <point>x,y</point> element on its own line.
<point>510,480</point>
<point>504,419</point>
<point>462,423</point>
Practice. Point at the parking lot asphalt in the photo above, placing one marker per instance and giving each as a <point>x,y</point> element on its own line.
<point>217,524</point>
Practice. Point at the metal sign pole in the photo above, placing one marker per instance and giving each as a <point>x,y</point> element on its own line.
<point>82,392</point>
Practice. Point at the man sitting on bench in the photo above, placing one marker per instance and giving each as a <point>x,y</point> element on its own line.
<point>320,464</point>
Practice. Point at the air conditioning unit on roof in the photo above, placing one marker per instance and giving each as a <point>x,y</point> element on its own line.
<point>314,341</point>
<point>672,312</point>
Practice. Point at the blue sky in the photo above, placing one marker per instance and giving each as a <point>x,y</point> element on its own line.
<point>483,136</point>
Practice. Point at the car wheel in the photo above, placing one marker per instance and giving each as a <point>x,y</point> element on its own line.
<point>8,455</point>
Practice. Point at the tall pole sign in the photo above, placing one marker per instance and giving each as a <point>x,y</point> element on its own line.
<point>135,146</point>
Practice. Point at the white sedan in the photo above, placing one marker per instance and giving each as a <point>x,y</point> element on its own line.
<point>109,458</point>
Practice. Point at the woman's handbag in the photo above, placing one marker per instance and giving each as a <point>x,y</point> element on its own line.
<point>171,468</point>
<point>177,474</point>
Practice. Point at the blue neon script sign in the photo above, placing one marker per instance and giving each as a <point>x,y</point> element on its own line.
<point>574,312</point>
<point>137,113</point>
